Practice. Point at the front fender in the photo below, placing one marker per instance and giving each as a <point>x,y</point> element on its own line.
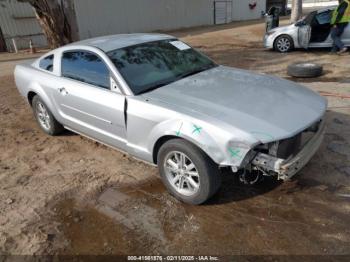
<point>219,145</point>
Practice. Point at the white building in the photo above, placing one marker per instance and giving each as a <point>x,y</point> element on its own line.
<point>103,17</point>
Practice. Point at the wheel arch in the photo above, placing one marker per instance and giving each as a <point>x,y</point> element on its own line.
<point>286,35</point>
<point>35,89</point>
<point>162,140</point>
<point>30,97</point>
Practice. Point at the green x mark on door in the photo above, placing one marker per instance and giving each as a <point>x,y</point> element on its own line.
<point>196,129</point>
<point>235,153</point>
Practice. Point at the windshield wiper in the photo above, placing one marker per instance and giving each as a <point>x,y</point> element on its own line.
<point>155,87</point>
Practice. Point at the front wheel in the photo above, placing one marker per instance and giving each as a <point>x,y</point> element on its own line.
<point>187,172</point>
<point>284,44</point>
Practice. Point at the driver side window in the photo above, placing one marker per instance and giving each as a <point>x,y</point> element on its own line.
<point>86,67</point>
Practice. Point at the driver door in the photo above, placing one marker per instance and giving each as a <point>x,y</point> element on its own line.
<point>304,36</point>
<point>85,99</point>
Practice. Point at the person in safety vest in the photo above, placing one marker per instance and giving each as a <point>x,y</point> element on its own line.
<point>339,21</point>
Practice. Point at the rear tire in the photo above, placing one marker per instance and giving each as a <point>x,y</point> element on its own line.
<point>44,117</point>
<point>283,44</point>
<point>202,180</point>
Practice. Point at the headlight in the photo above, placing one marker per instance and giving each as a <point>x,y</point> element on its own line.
<point>237,150</point>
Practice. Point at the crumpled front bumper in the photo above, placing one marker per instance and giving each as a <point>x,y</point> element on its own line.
<point>286,168</point>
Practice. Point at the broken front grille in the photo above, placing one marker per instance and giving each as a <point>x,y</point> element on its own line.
<point>289,147</point>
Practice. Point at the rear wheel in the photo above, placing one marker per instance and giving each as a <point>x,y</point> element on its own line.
<point>187,172</point>
<point>44,117</point>
<point>283,44</point>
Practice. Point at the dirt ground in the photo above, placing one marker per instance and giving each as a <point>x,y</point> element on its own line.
<point>70,195</point>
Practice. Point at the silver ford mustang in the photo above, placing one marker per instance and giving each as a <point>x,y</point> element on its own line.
<point>165,103</point>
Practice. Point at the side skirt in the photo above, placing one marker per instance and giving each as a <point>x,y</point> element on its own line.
<point>110,146</point>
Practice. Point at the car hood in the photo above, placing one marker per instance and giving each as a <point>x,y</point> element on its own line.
<point>266,107</point>
<point>284,29</point>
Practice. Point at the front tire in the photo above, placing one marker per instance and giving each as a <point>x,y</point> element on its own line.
<point>44,117</point>
<point>187,172</point>
<point>284,44</point>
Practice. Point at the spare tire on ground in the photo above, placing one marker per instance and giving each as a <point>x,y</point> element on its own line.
<point>305,70</point>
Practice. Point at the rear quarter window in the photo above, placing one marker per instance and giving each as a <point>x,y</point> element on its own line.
<point>46,63</point>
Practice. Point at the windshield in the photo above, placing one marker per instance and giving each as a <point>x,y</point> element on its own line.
<point>151,65</point>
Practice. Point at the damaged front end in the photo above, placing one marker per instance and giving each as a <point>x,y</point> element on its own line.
<point>286,157</point>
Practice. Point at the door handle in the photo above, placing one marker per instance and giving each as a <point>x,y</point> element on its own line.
<point>63,91</point>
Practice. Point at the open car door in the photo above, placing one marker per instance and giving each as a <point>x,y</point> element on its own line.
<point>304,35</point>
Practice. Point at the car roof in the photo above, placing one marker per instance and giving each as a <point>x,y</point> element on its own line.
<point>112,42</point>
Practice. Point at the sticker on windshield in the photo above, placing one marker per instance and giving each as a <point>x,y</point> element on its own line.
<point>180,45</point>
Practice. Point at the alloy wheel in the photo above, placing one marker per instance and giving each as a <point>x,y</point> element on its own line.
<point>181,173</point>
<point>43,116</point>
<point>283,44</point>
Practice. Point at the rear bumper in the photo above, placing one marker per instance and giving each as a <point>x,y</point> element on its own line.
<point>287,168</point>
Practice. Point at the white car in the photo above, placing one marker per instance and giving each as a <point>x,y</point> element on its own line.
<point>309,32</point>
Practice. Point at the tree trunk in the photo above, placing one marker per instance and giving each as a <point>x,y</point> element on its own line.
<point>57,19</point>
<point>297,10</point>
